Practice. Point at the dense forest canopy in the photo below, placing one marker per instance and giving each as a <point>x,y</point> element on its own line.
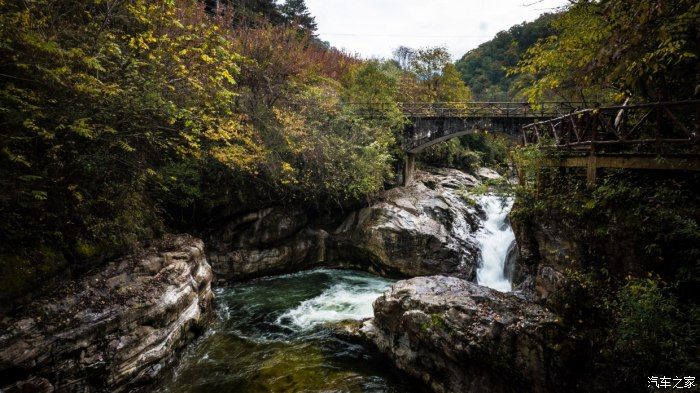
<point>592,51</point>
<point>610,50</point>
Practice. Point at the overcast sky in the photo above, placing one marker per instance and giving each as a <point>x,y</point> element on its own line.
<point>374,28</point>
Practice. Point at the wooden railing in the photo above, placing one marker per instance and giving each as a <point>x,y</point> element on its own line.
<point>468,109</point>
<point>644,128</point>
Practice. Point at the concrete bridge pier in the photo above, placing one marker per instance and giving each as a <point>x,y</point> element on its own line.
<point>409,166</point>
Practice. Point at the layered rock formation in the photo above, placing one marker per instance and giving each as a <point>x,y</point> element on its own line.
<point>423,229</point>
<point>457,336</point>
<point>111,330</point>
<point>271,241</point>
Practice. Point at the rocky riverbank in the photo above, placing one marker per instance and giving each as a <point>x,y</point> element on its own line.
<point>457,336</point>
<point>112,330</point>
<point>119,327</point>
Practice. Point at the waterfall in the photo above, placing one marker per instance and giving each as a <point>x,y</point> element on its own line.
<point>495,239</point>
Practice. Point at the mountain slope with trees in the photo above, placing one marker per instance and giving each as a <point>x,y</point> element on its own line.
<point>484,69</point>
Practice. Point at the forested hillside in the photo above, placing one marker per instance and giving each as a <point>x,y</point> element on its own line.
<point>484,69</point>
<point>613,50</point>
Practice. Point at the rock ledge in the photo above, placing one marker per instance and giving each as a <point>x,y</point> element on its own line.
<point>458,336</point>
<point>112,330</point>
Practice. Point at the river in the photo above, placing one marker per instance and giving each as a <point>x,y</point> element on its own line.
<point>279,334</point>
<point>276,335</point>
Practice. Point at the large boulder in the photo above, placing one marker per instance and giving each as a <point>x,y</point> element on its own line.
<point>113,329</point>
<point>270,241</point>
<point>422,229</point>
<point>458,336</point>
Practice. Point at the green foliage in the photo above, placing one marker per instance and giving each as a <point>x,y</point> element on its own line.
<point>451,87</point>
<point>653,333</point>
<point>251,13</point>
<point>469,152</point>
<point>427,63</point>
<point>484,69</point>
<point>611,49</point>
<point>655,215</point>
<point>637,326</point>
<point>429,76</point>
<point>330,154</point>
<point>372,82</point>
<point>94,99</point>
<point>17,273</point>
<point>122,121</point>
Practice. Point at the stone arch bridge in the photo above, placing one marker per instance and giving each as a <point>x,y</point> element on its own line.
<point>433,122</point>
<point>661,135</point>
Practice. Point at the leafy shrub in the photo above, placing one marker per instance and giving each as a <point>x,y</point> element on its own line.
<point>469,152</point>
<point>653,333</point>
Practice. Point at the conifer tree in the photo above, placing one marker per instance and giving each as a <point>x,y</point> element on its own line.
<point>297,14</point>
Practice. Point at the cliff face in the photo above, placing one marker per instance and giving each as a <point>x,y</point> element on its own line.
<point>550,246</point>
<point>425,228</point>
<point>546,250</point>
<point>113,329</point>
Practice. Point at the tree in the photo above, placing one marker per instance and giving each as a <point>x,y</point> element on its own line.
<point>612,49</point>
<point>422,70</point>
<point>296,14</point>
<point>428,63</point>
<point>451,87</point>
<point>252,13</point>
<point>96,101</point>
<point>403,56</point>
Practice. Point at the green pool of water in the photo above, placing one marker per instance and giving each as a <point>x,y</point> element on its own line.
<point>275,335</point>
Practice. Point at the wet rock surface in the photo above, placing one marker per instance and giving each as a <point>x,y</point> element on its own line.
<point>457,336</point>
<point>423,229</point>
<point>271,241</point>
<point>112,330</point>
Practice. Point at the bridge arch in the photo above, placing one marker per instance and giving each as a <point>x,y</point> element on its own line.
<point>422,133</point>
<point>433,123</point>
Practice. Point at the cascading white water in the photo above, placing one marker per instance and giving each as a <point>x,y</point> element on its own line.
<point>350,297</point>
<point>495,239</point>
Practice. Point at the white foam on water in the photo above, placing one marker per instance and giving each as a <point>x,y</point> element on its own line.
<point>349,299</point>
<point>495,238</point>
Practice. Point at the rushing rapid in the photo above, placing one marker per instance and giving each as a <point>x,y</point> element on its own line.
<point>495,239</point>
<point>277,334</point>
<point>348,299</point>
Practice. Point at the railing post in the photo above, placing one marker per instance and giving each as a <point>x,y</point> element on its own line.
<point>408,168</point>
<point>592,169</point>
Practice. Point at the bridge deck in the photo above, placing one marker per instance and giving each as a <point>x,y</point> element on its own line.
<point>662,135</point>
<point>490,109</point>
